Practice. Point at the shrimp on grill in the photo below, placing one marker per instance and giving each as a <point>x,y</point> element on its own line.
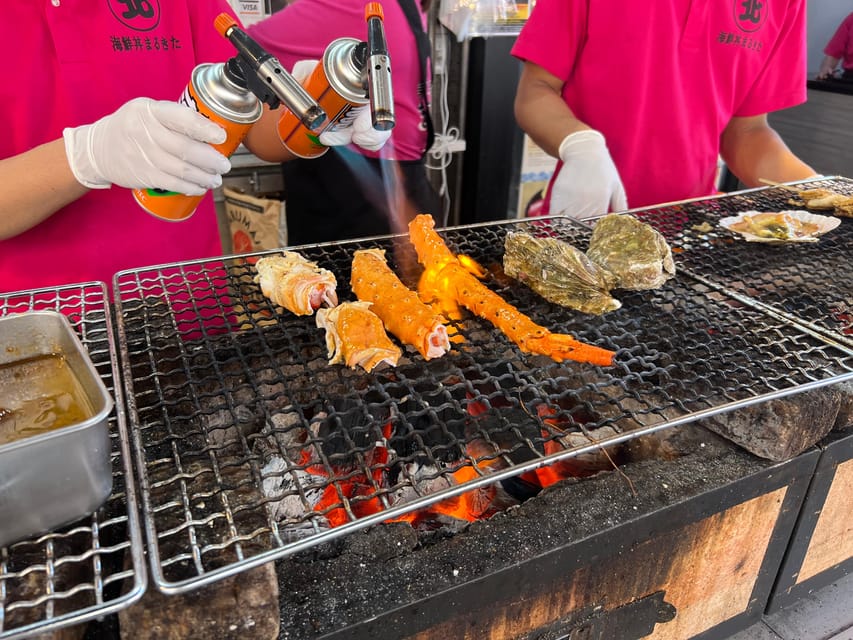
<point>445,277</point>
<point>400,309</point>
<point>295,283</point>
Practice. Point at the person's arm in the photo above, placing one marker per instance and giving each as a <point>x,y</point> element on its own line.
<point>144,144</point>
<point>541,111</point>
<point>588,183</point>
<point>36,184</point>
<point>754,152</point>
<point>827,67</point>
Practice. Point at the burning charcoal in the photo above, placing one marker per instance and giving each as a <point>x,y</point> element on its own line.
<point>225,427</point>
<point>423,480</point>
<point>243,607</point>
<point>283,435</point>
<point>293,493</point>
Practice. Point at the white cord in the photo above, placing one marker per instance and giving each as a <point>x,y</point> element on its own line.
<point>446,140</point>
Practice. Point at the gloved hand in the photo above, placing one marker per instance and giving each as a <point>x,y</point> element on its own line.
<point>588,183</point>
<point>357,126</point>
<point>148,144</point>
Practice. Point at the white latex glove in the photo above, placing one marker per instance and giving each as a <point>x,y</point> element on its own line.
<point>588,183</point>
<point>148,144</point>
<point>355,128</point>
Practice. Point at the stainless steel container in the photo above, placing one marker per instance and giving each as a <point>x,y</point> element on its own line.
<point>57,476</point>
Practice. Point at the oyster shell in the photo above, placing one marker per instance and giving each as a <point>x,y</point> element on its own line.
<point>559,272</point>
<point>634,251</point>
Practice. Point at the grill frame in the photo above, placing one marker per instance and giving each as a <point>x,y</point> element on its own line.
<point>194,309</point>
<point>86,306</point>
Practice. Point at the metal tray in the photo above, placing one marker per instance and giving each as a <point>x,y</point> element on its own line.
<point>93,566</point>
<point>224,390</point>
<point>58,476</point>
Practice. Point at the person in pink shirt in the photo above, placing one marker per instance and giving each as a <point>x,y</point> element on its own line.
<point>91,112</point>
<point>638,100</point>
<point>354,192</point>
<point>839,49</point>
<point>90,106</point>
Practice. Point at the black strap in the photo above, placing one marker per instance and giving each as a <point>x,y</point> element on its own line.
<point>422,40</point>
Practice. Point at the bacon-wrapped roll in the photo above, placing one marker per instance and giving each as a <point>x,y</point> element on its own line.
<point>297,284</point>
<point>355,336</point>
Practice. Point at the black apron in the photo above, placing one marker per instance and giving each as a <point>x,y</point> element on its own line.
<point>343,195</point>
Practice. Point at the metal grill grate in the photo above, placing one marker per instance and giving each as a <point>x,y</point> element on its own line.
<point>95,566</point>
<point>252,447</point>
<point>801,281</point>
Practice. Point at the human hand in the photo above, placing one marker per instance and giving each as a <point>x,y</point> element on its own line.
<point>148,144</point>
<point>356,127</point>
<point>588,183</point>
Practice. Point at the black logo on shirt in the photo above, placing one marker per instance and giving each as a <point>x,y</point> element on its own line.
<point>139,15</point>
<point>750,15</point>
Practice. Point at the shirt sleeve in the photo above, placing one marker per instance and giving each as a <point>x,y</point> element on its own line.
<point>840,44</point>
<point>782,82</point>
<point>553,36</point>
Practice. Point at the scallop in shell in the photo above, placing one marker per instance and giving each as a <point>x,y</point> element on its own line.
<point>780,227</point>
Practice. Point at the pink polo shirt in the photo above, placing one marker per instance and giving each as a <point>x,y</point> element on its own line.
<point>661,80</point>
<point>303,30</point>
<point>841,44</point>
<point>75,61</point>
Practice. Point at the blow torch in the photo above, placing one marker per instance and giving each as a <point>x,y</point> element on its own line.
<point>230,94</point>
<point>351,75</point>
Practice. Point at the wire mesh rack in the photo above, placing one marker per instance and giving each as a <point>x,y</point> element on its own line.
<point>94,566</point>
<point>251,447</point>
<point>801,281</point>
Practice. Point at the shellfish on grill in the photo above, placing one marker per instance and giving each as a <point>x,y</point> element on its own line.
<point>780,226</point>
<point>559,272</point>
<point>635,252</point>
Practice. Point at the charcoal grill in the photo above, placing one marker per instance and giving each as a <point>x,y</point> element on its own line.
<point>94,566</point>
<point>250,447</point>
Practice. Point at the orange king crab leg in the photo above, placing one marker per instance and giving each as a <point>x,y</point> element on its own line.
<point>446,278</point>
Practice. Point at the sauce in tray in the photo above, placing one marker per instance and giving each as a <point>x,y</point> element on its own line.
<point>39,394</point>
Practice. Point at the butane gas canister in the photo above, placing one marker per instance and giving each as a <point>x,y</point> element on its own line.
<point>214,95</point>
<point>339,85</point>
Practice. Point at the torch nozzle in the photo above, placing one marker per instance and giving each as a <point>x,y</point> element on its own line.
<point>378,69</point>
<point>266,78</point>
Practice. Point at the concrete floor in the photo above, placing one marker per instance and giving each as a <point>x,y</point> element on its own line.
<point>827,614</point>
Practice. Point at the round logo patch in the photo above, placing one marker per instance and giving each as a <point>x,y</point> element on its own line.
<point>139,15</point>
<point>750,15</point>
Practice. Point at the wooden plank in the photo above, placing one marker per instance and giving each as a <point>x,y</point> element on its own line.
<point>707,572</point>
<point>832,540</point>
